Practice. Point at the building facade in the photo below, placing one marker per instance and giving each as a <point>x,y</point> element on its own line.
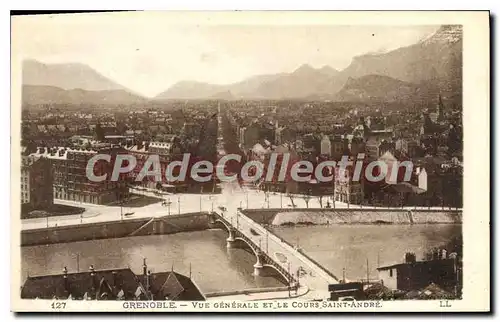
<point>346,189</point>
<point>36,183</point>
<point>415,275</point>
<point>70,181</point>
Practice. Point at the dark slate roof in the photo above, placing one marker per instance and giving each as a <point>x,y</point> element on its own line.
<point>404,187</point>
<point>107,284</point>
<point>418,263</point>
<point>50,286</point>
<point>174,286</point>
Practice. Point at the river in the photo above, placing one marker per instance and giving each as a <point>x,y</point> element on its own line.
<point>350,246</point>
<point>214,267</point>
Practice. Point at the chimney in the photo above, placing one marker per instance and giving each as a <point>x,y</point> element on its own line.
<point>115,279</point>
<point>410,258</point>
<point>148,281</point>
<point>65,276</point>
<point>144,267</point>
<point>93,277</point>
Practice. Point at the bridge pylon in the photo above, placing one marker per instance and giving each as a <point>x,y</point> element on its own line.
<point>231,241</point>
<point>258,268</point>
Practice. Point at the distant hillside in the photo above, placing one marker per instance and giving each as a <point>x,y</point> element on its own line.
<point>302,82</point>
<point>376,87</point>
<point>433,65</point>
<point>434,61</point>
<point>199,90</point>
<point>227,95</point>
<point>67,76</point>
<point>437,57</point>
<point>36,95</point>
<point>71,83</point>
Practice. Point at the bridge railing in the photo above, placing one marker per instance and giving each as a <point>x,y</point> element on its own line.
<point>277,239</point>
<point>264,255</point>
<point>268,259</point>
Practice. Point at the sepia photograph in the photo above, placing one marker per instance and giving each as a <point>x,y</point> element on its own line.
<point>266,162</point>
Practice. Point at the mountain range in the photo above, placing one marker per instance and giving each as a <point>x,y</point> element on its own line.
<point>400,74</point>
<point>40,94</point>
<point>71,83</point>
<point>436,59</point>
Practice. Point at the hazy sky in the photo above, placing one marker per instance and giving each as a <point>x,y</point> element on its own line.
<point>148,53</point>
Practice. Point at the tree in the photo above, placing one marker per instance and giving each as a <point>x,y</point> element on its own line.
<point>307,198</point>
<point>289,195</point>
<point>320,199</point>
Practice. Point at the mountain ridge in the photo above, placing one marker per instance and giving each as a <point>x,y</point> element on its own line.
<point>41,94</point>
<point>436,57</point>
<point>435,60</point>
<point>67,76</point>
<point>377,88</point>
<point>69,82</point>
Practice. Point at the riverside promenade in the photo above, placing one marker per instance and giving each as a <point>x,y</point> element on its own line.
<point>232,196</point>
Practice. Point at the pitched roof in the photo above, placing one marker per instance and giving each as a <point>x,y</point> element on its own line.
<point>404,187</point>
<point>424,263</point>
<point>111,284</point>
<point>174,286</point>
<point>77,284</point>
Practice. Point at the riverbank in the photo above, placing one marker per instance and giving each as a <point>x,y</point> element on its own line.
<point>199,221</point>
<point>292,217</point>
<point>115,229</point>
<point>257,294</point>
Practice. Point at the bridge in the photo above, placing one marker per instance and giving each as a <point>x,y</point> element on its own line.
<point>274,256</point>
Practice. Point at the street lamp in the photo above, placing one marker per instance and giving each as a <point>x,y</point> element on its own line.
<point>298,281</point>
<point>289,280</point>
<point>267,241</point>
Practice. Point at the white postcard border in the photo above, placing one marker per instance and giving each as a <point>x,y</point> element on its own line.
<point>476,103</point>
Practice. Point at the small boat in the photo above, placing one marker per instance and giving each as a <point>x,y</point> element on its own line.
<point>254,232</point>
<point>128,214</point>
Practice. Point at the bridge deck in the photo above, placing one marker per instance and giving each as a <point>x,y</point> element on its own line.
<point>315,277</point>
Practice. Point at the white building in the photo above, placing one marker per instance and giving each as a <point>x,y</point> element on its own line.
<point>326,146</point>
